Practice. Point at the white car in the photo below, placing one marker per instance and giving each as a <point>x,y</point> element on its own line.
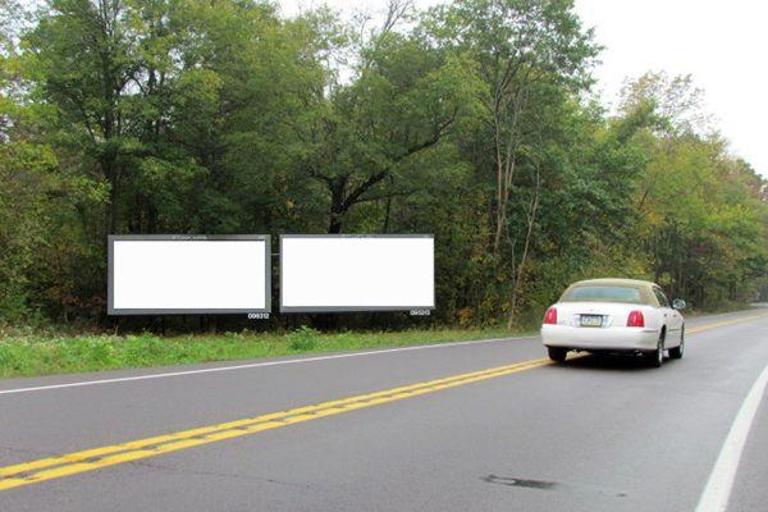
<point>615,315</point>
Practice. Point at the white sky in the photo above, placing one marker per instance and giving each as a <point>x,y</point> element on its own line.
<point>723,44</point>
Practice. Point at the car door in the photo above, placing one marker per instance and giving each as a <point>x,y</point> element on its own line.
<point>672,317</point>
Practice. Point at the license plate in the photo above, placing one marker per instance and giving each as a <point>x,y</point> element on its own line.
<point>591,320</point>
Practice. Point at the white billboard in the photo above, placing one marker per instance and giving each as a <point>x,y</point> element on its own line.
<point>158,274</point>
<point>356,272</point>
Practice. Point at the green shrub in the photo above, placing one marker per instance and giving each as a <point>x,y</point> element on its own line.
<point>303,339</point>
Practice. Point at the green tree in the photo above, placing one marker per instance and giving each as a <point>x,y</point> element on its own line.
<point>701,210</point>
<point>528,53</point>
<point>365,140</point>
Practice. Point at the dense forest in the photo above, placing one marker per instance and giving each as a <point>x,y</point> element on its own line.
<point>475,120</point>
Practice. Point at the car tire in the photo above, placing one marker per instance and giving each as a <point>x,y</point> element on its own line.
<point>656,358</point>
<point>557,354</point>
<point>678,351</point>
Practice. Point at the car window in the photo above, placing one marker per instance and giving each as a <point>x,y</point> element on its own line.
<point>663,301</point>
<point>626,294</point>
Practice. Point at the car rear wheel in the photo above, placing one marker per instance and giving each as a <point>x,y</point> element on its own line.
<point>677,352</point>
<point>557,354</point>
<point>656,357</point>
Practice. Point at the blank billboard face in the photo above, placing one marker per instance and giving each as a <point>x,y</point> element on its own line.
<point>175,274</point>
<point>356,273</point>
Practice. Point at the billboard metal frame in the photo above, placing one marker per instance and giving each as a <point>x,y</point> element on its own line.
<point>111,239</point>
<point>350,309</point>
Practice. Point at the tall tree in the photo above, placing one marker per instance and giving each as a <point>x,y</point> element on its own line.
<point>524,50</point>
<point>405,101</point>
<point>519,45</point>
<point>82,55</point>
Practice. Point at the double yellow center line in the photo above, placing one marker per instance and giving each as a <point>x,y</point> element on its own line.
<point>725,323</point>
<point>40,470</point>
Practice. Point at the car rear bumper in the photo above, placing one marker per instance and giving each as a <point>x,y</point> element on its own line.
<point>600,338</point>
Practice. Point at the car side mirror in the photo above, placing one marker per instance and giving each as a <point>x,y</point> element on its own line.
<point>678,304</point>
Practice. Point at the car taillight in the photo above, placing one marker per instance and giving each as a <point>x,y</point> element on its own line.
<point>636,319</point>
<point>550,317</point>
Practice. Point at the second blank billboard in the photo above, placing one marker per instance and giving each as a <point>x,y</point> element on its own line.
<point>356,272</point>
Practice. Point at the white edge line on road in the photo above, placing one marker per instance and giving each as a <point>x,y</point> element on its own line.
<point>255,365</point>
<point>715,496</point>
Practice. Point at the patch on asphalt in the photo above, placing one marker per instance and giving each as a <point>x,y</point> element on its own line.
<point>519,482</point>
<point>547,485</point>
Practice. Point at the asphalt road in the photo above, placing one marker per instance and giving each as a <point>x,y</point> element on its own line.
<point>594,434</point>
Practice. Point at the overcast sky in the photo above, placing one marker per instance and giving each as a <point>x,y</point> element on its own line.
<point>723,44</point>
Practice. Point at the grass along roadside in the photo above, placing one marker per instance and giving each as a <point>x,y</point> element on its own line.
<point>27,355</point>
<point>30,352</point>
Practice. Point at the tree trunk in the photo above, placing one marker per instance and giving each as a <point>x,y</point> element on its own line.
<point>526,247</point>
<point>334,228</point>
<point>338,187</point>
<point>108,168</point>
<point>387,212</point>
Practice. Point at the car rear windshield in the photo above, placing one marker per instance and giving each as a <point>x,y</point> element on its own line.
<point>602,294</point>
